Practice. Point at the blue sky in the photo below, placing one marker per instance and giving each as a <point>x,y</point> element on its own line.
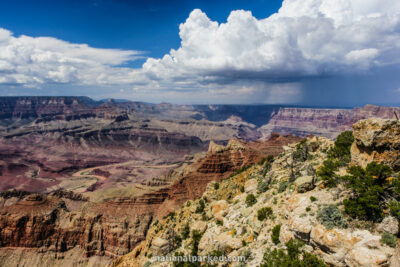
<point>311,52</point>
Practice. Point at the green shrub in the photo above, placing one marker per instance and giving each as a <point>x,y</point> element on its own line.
<point>301,152</point>
<point>170,215</point>
<point>176,241</point>
<point>313,199</point>
<point>264,213</point>
<point>275,233</point>
<point>370,187</point>
<point>196,236</point>
<point>291,257</point>
<point>220,223</point>
<point>338,156</point>
<point>395,209</point>
<point>341,149</point>
<point>250,200</point>
<point>200,207</point>
<point>262,187</point>
<point>216,186</point>
<point>267,164</point>
<point>308,209</point>
<point>282,187</point>
<point>330,216</point>
<point>327,172</point>
<point>185,231</point>
<point>241,188</point>
<point>388,239</point>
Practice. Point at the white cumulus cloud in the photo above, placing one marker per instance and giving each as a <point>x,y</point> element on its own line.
<point>305,38</point>
<point>29,61</point>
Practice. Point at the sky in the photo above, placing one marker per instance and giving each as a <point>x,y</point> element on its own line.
<point>303,52</point>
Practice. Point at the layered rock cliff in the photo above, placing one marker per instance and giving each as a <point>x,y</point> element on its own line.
<point>322,122</point>
<point>71,230</point>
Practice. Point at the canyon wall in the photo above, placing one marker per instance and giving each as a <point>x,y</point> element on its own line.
<point>61,223</point>
<point>322,122</point>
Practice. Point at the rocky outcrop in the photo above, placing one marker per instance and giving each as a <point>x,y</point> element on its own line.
<point>376,140</point>
<point>239,225</point>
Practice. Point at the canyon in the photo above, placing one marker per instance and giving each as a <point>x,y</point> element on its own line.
<point>81,181</point>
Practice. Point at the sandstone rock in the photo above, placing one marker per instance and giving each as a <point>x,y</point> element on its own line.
<point>304,183</point>
<point>160,246</point>
<point>300,226</point>
<point>251,186</point>
<point>218,206</point>
<point>219,241</point>
<point>199,226</point>
<point>376,140</point>
<point>214,148</point>
<point>218,209</point>
<point>390,225</point>
<point>285,234</point>
<point>332,240</point>
<point>362,256</point>
<point>395,260</point>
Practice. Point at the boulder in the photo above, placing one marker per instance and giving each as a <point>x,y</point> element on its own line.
<point>376,140</point>
<point>304,183</point>
<point>251,186</point>
<point>218,209</point>
<point>199,226</point>
<point>160,246</point>
<point>390,225</point>
<point>363,256</point>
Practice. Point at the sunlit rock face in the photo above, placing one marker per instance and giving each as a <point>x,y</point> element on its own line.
<point>376,140</point>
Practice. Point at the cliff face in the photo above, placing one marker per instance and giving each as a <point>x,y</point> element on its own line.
<point>219,164</point>
<point>322,122</point>
<point>63,222</point>
<point>278,203</point>
<point>34,107</point>
<point>54,225</point>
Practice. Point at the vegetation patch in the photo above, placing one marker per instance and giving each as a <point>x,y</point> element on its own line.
<point>216,186</point>
<point>262,187</point>
<point>330,216</point>
<point>275,234</point>
<point>371,187</point>
<point>282,187</point>
<point>250,200</point>
<point>339,155</point>
<point>200,207</point>
<point>291,257</point>
<point>264,213</point>
<point>388,239</point>
<point>185,231</point>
